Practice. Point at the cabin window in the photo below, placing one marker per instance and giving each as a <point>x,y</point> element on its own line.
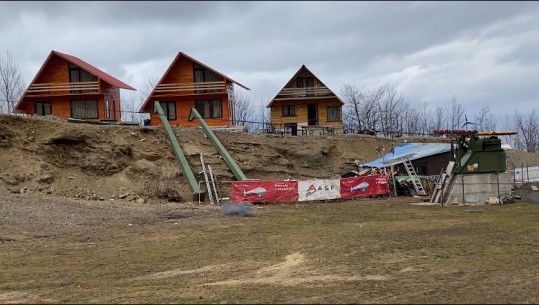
<point>204,77</point>
<point>309,81</point>
<point>334,113</point>
<point>84,109</point>
<point>209,109</point>
<point>78,75</point>
<point>289,110</point>
<point>43,108</point>
<point>169,108</point>
<point>309,84</point>
<point>299,82</point>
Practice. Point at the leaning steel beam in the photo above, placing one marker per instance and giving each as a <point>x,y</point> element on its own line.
<point>220,148</point>
<point>187,172</point>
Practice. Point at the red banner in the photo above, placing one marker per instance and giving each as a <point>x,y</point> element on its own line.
<point>356,187</point>
<point>264,191</point>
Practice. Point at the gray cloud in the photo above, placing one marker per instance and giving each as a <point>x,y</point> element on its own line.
<point>480,52</point>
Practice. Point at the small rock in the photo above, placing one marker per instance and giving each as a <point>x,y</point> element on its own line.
<point>122,196</point>
<point>150,156</point>
<point>46,178</point>
<point>22,190</point>
<point>140,200</point>
<point>493,200</point>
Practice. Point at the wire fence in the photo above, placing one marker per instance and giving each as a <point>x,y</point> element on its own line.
<point>264,126</point>
<point>89,110</point>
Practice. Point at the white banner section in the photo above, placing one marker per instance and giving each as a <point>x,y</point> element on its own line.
<point>319,189</point>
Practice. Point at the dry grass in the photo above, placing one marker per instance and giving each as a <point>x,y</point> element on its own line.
<point>366,251</point>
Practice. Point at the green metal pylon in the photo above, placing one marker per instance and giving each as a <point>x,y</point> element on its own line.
<point>198,194</point>
<point>236,170</point>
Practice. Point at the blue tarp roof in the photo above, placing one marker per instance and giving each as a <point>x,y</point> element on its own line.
<point>411,151</point>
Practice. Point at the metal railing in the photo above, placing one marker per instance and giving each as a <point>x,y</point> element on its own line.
<point>63,88</point>
<point>318,91</point>
<point>201,87</point>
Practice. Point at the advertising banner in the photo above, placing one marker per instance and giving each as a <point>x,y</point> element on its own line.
<point>318,189</point>
<point>264,191</point>
<point>356,187</point>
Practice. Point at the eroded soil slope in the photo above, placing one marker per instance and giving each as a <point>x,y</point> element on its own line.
<point>104,162</point>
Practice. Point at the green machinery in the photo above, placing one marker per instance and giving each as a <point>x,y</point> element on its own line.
<point>198,194</point>
<point>475,152</point>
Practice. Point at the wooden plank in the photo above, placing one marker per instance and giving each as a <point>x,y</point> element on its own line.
<point>436,192</point>
<point>497,133</point>
<point>213,185</point>
<point>208,187</point>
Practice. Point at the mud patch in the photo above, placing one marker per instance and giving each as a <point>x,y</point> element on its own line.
<point>177,272</point>
<point>292,272</point>
<point>21,297</point>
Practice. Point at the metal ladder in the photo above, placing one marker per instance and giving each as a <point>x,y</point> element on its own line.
<point>413,176</point>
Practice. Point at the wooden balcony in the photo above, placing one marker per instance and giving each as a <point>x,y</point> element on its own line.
<point>63,88</point>
<point>306,93</point>
<point>190,88</point>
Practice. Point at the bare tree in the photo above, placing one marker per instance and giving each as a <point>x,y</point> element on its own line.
<point>528,131</point>
<point>243,110</point>
<point>262,116</point>
<point>484,119</point>
<point>456,113</point>
<point>11,83</point>
<point>390,106</point>
<point>147,88</point>
<point>130,105</point>
<point>437,119</point>
<point>132,102</point>
<point>411,120</point>
<point>370,113</point>
<point>353,99</point>
<point>422,119</point>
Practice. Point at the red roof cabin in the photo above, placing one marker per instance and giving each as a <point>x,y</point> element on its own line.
<point>68,87</point>
<point>187,84</point>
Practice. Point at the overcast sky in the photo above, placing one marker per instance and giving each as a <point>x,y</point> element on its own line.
<point>482,53</point>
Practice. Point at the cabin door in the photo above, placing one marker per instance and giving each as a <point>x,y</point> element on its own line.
<point>312,114</point>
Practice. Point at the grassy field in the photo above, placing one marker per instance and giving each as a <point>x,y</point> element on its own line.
<point>365,251</point>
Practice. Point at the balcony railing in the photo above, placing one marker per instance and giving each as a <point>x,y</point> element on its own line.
<point>307,92</point>
<point>190,88</point>
<point>63,88</point>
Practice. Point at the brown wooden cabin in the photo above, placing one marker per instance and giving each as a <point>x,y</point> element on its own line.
<point>187,84</point>
<point>305,105</point>
<point>68,87</point>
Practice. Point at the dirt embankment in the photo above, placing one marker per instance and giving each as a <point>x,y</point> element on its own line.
<point>106,162</point>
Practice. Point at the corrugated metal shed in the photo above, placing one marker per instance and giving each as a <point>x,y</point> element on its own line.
<point>411,151</point>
